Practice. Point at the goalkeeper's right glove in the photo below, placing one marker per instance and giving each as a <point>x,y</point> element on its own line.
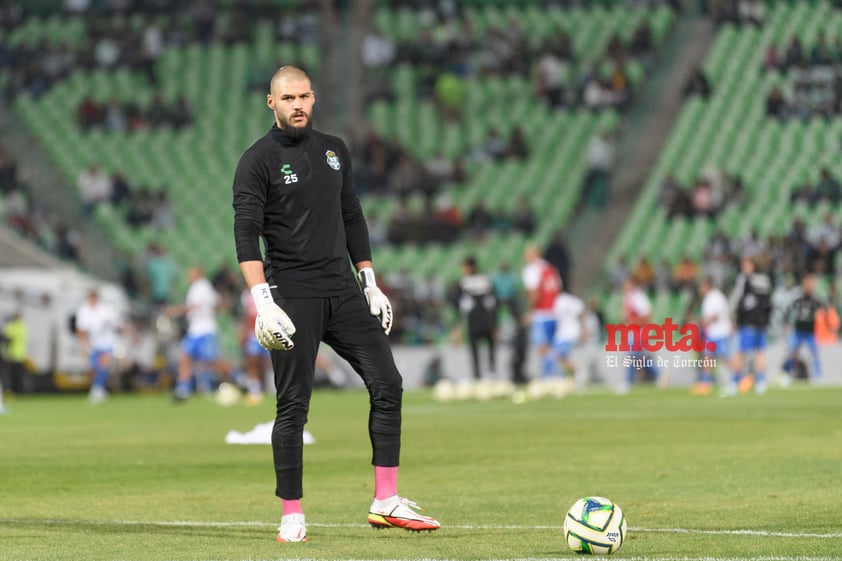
<point>273,328</point>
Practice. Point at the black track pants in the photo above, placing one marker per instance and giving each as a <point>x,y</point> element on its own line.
<point>344,323</point>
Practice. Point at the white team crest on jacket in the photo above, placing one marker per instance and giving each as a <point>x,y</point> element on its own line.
<point>332,159</point>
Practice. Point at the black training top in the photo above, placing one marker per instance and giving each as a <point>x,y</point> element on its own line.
<point>299,196</point>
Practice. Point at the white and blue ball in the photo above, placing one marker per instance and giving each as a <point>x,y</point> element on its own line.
<point>594,525</point>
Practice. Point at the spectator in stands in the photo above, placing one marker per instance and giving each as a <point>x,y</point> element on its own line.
<point>152,45</point>
<point>685,275</point>
<point>517,147</point>
<point>89,114</point>
<point>794,54</point>
<point>161,273</point>
<point>479,220</point>
<point>181,115</point>
<point>828,189</point>
<point>663,276</point>
<point>494,146</point>
<point>450,91</point>
<point>405,177</point>
<point>439,168</point>
<point>827,232</point>
<point>702,199</point>
<point>752,246</point>
<point>551,76</point>
<point>821,53</point>
<point>163,212</point>
<point>802,194</point>
<point>158,113</point>
<point>751,12</point>
<point>618,273</point>
<point>402,225</point>
<point>771,58</point>
<point>120,190</point>
<point>643,274</point>
<point>642,44</point>
<point>681,204</point>
<point>140,208</point>
<point>601,157</point>
<point>557,254</point>
<point>698,85</point>
<point>447,220</point>
<point>667,190</point>
<point>115,119</point>
<point>776,105</point>
<point>95,187</point>
<point>523,216</point>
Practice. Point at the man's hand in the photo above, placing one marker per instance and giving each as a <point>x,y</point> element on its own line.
<point>273,328</point>
<point>378,304</point>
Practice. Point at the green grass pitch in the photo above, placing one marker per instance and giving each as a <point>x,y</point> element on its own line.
<point>699,478</point>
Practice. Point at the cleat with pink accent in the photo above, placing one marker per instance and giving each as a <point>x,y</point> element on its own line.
<point>399,512</point>
<point>292,528</point>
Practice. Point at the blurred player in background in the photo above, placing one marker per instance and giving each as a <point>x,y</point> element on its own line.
<point>637,310</point>
<point>478,304</point>
<point>542,284</point>
<point>97,326</point>
<point>293,188</point>
<point>718,329</point>
<point>570,316</point>
<point>752,299</point>
<point>199,346</point>
<point>802,313</point>
<point>256,359</point>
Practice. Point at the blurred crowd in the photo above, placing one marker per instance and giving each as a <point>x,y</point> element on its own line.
<point>133,35</point>
<point>711,192</point>
<point>117,116</point>
<point>788,258</point>
<point>22,214</point>
<point>449,49</point>
<point>813,74</point>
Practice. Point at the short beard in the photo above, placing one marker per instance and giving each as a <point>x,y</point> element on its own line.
<point>293,132</point>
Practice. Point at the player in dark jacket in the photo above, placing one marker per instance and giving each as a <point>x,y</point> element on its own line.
<point>802,313</point>
<point>293,188</point>
<point>477,302</point>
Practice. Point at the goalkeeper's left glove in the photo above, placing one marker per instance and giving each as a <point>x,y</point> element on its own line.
<point>378,304</point>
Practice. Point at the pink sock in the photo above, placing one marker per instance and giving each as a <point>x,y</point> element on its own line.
<point>385,482</point>
<point>291,506</point>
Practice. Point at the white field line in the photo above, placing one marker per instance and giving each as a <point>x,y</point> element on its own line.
<point>259,524</point>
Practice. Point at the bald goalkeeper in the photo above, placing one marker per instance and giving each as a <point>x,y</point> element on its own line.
<point>293,187</point>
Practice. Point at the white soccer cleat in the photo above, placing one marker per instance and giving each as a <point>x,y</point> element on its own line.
<point>399,512</point>
<point>292,528</point>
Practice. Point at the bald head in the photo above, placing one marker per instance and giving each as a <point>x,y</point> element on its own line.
<point>287,74</point>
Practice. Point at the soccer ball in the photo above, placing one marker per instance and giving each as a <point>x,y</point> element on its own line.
<point>227,395</point>
<point>594,525</point>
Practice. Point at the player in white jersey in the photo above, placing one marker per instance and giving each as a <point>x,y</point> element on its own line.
<point>199,352</point>
<point>569,313</point>
<point>97,325</point>
<point>718,329</point>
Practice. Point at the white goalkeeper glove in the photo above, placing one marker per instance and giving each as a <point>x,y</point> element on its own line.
<point>378,304</point>
<point>273,328</point>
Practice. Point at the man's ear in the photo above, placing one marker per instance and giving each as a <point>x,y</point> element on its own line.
<point>270,101</point>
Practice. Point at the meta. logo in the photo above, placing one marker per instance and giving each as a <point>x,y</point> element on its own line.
<point>651,337</point>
